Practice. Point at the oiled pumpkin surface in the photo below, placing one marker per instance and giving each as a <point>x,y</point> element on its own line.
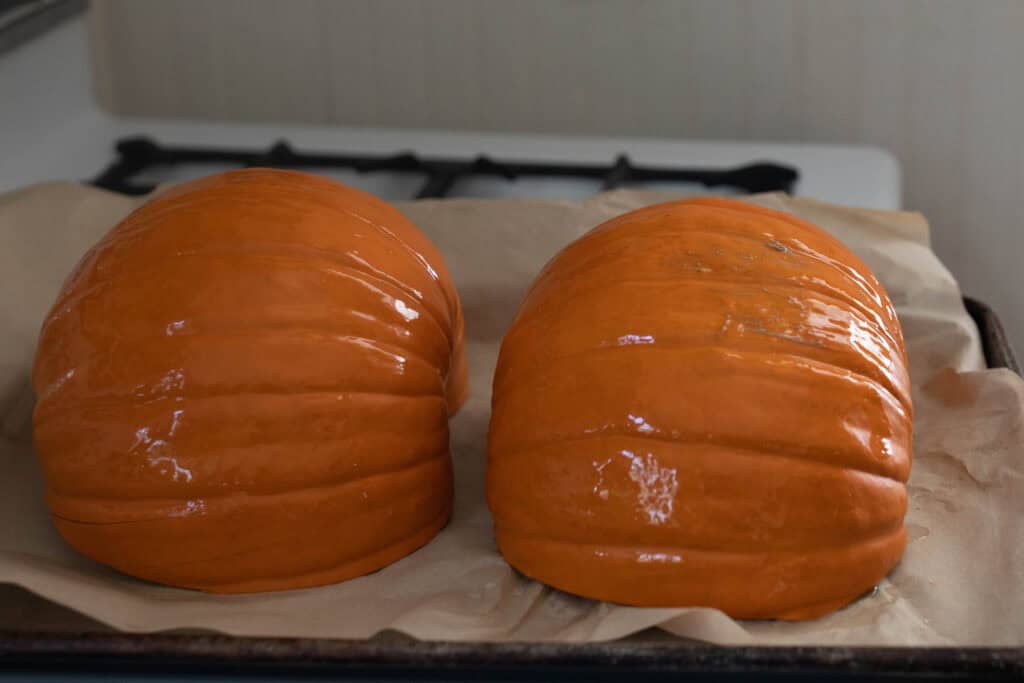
<point>246,386</point>
<point>703,403</point>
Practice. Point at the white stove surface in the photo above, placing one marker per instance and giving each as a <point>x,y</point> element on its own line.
<point>50,129</point>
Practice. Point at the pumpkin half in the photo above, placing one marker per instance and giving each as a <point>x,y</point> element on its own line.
<point>246,384</point>
<point>703,403</point>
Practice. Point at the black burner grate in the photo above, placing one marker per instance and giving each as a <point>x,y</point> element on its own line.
<point>138,154</point>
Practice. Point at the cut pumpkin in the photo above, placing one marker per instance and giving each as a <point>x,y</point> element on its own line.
<point>703,403</point>
<point>246,385</point>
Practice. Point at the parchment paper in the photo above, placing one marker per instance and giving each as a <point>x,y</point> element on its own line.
<point>960,582</point>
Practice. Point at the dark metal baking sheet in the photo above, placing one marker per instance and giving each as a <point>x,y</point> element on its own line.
<point>994,341</point>
<point>182,655</point>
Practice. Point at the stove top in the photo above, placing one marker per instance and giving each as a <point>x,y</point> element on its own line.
<point>141,163</point>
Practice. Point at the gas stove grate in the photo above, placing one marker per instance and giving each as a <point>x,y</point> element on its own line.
<point>138,154</point>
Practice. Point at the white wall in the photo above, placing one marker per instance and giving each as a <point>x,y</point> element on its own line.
<point>939,82</point>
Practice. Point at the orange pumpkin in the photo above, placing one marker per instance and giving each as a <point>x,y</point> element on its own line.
<point>703,403</point>
<point>246,384</point>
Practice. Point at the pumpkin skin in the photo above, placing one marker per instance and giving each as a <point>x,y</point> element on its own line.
<point>703,403</point>
<point>246,384</point>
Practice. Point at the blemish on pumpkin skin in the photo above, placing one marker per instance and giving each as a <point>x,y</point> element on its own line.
<point>777,246</point>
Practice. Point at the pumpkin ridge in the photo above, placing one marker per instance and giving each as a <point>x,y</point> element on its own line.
<point>408,248</point>
<point>884,379</point>
<point>664,550</point>
<point>786,451</point>
<point>861,276</point>
<point>96,398</point>
<point>334,486</point>
<point>757,281</point>
<point>869,285</point>
<point>790,359</point>
<point>278,191</point>
<point>299,443</point>
<point>838,297</point>
<point>368,278</point>
<point>157,208</point>
<point>846,273</point>
<point>760,280</point>
<point>290,332</point>
<point>375,349</point>
<point>742,208</point>
<point>274,250</point>
<point>422,534</point>
<point>743,592</point>
<point>606,504</point>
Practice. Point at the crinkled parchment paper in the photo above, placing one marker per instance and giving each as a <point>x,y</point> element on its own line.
<point>961,581</point>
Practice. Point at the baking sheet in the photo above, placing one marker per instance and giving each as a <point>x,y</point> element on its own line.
<point>960,583</point>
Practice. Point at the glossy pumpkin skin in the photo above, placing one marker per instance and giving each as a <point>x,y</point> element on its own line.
<point>245,386</point>
<point>703,403</point>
